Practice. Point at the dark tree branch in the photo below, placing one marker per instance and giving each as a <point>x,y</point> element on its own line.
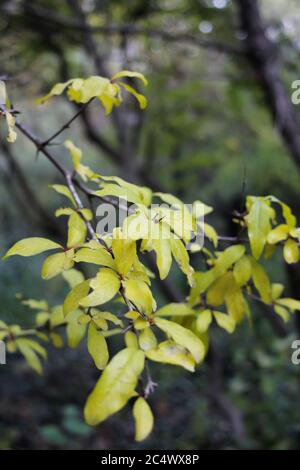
<point>263,57</point>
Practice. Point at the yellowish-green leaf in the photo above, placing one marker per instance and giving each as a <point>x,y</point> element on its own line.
<point>181,256</point>
<point>162,249</point>
<point>106,285</point>
<point>147,339</point>
<point>182,336</point>
<point>115,386</point>
<point>261,281</point>
<point>97,347</point>
<point>143,419</point>
<point>74,297</point>
<point>242,270</point>
<point>64,190</point>
<point>259,225</point>
<point>129,74</point>
<point>282,312</point>
<point>77,230</point>
<point>291,251</point>
<point>225,321</point>
<point>131,340</point>
<point>31,246</point>
<point>291,304</point>
<point>203,320</point>
<point>99,257</point>
<point>124,252</point>
<point>140,295</point>
<point>75,329</point>
<point>169,352</point>
<point>175,310</point>
<point>278,234</point>
<point>53,265</point>
<point>140,98</point>
<point>227,258</point>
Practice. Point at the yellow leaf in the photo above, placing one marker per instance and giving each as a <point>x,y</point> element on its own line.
<point>31,246</point>
<point>291,251</point>
<point>97,347</point>
<point>115,386</point>
<point>183,337</point>
<point>106,285</point>
<point>143,419</point>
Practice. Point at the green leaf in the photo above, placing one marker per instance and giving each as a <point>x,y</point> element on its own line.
<point>97,347</point>
<point>115,386</point>
<point>183,336</point>
<point>291,251</point>
<point>259,226</point>
<point>31,246</point>
<point>106,285</point>
<point>143,419</point>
